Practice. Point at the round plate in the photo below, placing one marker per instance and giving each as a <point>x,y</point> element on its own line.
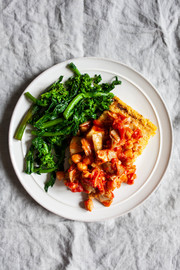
<point>137,92</point>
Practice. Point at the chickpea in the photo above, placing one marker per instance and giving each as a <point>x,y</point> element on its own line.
<point>136,147</point>
<point>88,204</point>
<point>87,160</point>
<point>86,174</point>
<point>111,185</point>
<point>128,134</point>
<point>60,175</point>
<point>129,145</point>
<point>129,162</point>
<point>124,178</point>
<point>76,158</point>
<point>128,153</point>
<point>131,171</point>
<point>81,166</point>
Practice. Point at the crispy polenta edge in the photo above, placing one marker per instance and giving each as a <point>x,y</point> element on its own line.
<point>119,106</point>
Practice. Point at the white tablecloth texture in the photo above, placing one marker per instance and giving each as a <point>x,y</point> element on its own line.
<point>35,35</point>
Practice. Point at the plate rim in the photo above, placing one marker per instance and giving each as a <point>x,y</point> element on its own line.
<point>170,150</point>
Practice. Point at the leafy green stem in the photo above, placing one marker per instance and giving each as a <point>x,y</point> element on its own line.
<point>34,100</point>
<point>48,134</point>
<point>29,161</point>
<point>51,182</point>
<point>38,170</point>
<point>20,130</point>
<point>68,111</point>
<point>52,123</point>
<point>72,67</point>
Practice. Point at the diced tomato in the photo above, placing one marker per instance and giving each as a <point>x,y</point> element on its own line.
<point>98,123</point>
<point>95,176</point>
<point>130,182</point>
<point>98,128</point>
<point>113,164</point>
<point>118,183</point>
<point>96,180</point>
<point>122,157</point>
<point>119,151</point>
<point>122,116</point>
<point>117,166</point>
<point>122,132</point>
<point>137,134</point>
<point>128,133</point>
<point>124,178</point>
<point>110,185</point>
<point>131,178</point>
<point>74,187</point>
<point>128,144</point>
<point>107,203</point>
<point>100,184</point>
<point>118,125</point>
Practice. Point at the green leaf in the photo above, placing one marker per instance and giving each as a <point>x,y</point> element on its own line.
<point>51,182</point>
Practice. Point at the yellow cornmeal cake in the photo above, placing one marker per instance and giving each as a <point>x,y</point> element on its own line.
<point>147,128</point>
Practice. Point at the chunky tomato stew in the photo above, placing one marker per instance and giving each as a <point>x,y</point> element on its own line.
<point>102,157</point>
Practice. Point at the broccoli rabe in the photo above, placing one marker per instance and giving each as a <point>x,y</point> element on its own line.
<point>39,157</point>
<point>56,115</point>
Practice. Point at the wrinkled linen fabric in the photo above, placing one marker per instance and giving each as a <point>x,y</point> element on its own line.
<point>35,35</point>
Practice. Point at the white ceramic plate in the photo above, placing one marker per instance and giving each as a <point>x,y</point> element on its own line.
<point>137,92</point>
